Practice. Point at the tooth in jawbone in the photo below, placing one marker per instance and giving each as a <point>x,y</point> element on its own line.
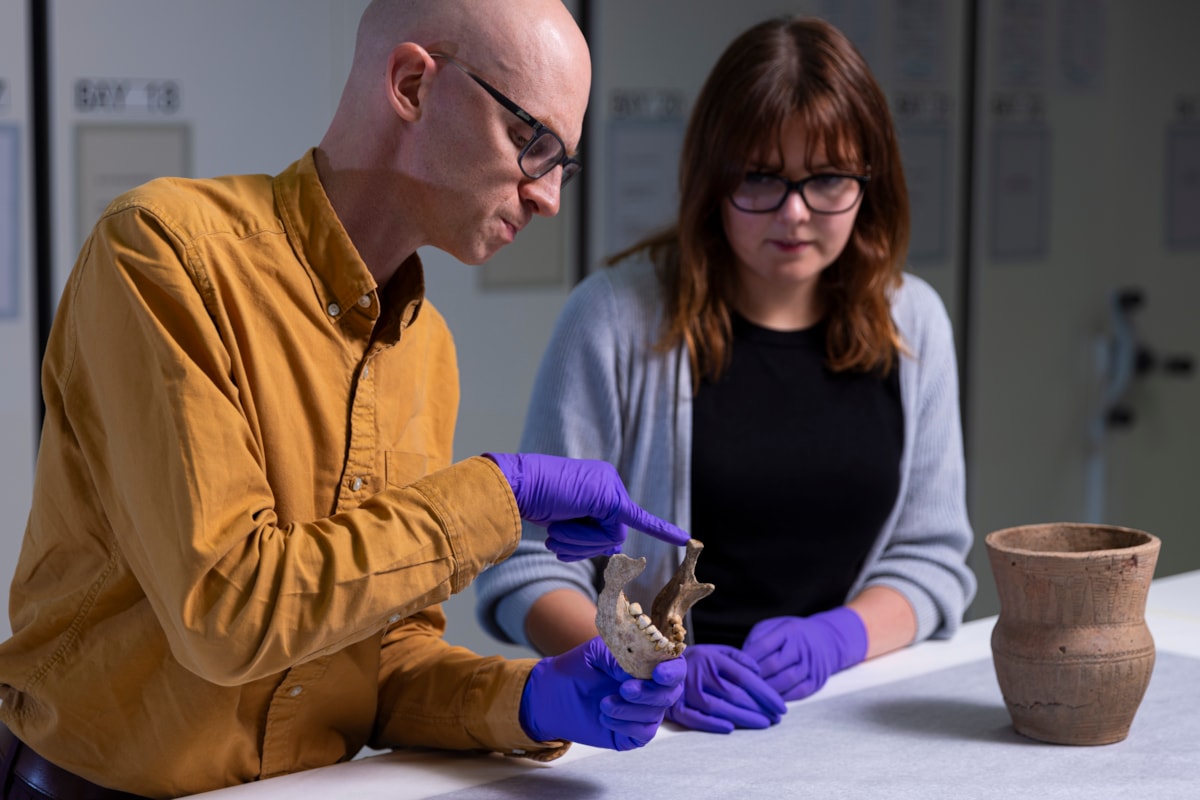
<point>639,647</point>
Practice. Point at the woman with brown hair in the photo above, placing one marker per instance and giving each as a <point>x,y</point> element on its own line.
<point>764,374</point>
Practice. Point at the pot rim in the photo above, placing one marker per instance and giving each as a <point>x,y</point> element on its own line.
<point>994,540</point>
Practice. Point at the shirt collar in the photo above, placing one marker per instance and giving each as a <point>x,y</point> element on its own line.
<point>323,246</point>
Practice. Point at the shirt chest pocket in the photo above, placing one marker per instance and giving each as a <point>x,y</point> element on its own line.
<point>402,468</point>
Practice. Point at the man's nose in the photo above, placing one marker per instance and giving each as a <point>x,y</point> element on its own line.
<point>545,193</point>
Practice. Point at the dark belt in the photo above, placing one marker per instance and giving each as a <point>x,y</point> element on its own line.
<point>24,775</point>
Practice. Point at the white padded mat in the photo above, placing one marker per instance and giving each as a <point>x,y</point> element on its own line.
<point>941,735</point>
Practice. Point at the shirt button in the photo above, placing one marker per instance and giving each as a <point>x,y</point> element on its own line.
<point>334,309</point>
<point>295,691</point>
<point>392,620</point>
<point>358,482</point>
<point>365,301</point>
<point>366,373</point>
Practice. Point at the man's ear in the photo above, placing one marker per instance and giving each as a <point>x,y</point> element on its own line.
<point>409,67</point>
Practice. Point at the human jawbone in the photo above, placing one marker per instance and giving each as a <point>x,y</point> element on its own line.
<point>639,641</point>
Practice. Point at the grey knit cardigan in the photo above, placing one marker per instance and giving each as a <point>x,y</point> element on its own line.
<point>603,391</point>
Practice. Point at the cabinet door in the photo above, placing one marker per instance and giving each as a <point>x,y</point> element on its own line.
<point>1088,179</point>
<point>199,87</point>
<point>18,337</point>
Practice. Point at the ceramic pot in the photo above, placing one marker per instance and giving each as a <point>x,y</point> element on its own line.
<point>1072,652</point>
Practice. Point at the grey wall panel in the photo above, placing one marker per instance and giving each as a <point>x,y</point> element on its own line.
<point>18,338</point>
<point>1079,101</point>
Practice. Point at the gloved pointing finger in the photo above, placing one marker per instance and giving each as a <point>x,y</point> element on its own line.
<point>582,503</point>
<point>642,520</point>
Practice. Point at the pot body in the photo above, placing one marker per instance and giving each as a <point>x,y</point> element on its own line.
<point>1071,648</point>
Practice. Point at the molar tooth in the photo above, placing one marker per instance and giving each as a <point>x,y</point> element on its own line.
<point>635,609</point>
<point>643,621</point>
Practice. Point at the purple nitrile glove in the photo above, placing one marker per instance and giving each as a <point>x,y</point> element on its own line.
<point>723,691</point>
<point>581,503</point>
<point>584,696</point>
<point>796,655</point>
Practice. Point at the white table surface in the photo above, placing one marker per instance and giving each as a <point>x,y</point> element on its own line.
<point>1172,613</point>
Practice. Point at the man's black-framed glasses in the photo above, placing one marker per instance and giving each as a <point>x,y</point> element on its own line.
<point>823,193</point>
<point>545,149</point>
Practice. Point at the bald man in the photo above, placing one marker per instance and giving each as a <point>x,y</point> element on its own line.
<point>245,513</point>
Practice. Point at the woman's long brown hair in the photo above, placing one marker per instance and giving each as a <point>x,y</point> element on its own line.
<point>778,69</point>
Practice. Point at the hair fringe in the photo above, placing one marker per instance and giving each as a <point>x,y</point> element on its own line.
<point>770,72</point>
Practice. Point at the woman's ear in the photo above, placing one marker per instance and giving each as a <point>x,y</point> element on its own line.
<point>409,69</point>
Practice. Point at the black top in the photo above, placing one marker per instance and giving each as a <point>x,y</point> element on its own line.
<point>795,469</point>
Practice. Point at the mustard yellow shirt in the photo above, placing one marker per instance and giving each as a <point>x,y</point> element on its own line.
<point>245,513</point>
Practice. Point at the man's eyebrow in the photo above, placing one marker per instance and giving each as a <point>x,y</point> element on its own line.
<point>553,125</point>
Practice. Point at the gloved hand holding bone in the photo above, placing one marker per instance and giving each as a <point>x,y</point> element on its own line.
<point>584,696</point>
